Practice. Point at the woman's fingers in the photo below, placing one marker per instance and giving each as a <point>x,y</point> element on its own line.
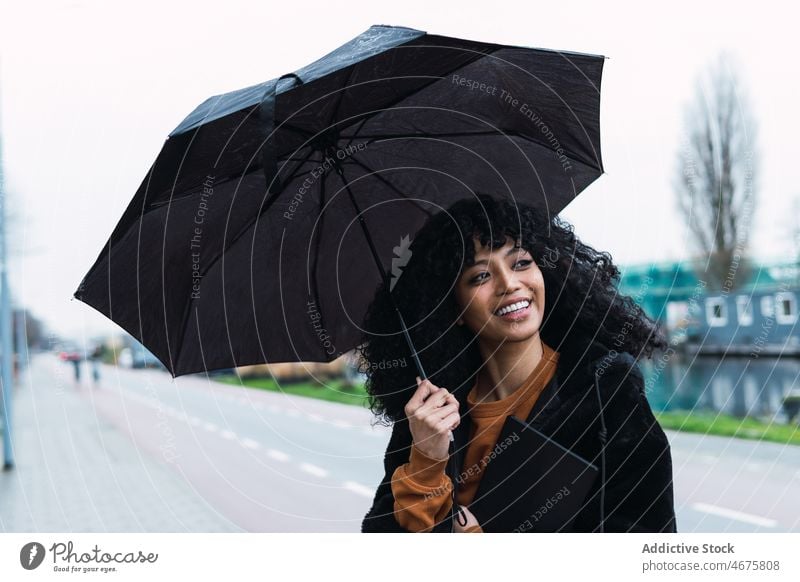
<point>424,389</point>
<point>448,421</point>
<point>431,404</point>
<point>444,411</point>
<point>431,416</point>
<point>437,395</point>
<point>438,399</point>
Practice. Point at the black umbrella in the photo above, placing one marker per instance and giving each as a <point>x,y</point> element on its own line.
<point>248,240</point>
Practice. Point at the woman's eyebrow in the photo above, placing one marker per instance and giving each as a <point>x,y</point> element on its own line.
<point>485,261</point>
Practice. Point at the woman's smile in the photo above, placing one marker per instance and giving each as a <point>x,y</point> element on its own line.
<point>516,311</point>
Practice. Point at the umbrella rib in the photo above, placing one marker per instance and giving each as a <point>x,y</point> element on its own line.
<point>400,98</point>
<point>377,137</point>
<point>388,137</point>
<point>239,175</point>
<point>266,206</point>
<point>355,133</point>
<point>171,200</point>
<point>453,134</point>
<point>303,132</point>
<point>340,96</point>
<point>299,165</point>
<point>304,160</point>
<point>389,184</point>
<point>316,254</point>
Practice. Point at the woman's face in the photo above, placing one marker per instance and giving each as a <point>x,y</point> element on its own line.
<point>504,276</point>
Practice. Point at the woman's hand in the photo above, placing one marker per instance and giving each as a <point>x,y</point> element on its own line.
<point>432,414</point>
<point>471,522</point>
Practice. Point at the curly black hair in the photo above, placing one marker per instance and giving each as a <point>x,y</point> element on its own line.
<point>582,302</point>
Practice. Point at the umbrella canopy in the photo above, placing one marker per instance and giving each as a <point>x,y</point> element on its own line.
<point>272,213</point>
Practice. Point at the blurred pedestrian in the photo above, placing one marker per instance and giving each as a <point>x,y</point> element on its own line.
<point>77,363</point>
<point>94,360</point>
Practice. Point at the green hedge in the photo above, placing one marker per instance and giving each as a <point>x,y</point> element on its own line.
<point>725,425</point>
<point>333,390</point>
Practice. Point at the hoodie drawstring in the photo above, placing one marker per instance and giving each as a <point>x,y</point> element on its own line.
<point>602,436</point>
<point>462,517</point>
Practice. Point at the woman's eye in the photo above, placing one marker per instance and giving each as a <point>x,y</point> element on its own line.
<point>477,278</point>
<point>480,276</point>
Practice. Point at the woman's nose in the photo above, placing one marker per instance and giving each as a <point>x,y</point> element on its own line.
<point>508,282</point>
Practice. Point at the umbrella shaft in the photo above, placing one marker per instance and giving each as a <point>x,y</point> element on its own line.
<point>382,271</point>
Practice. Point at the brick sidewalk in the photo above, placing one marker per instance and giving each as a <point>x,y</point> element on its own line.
<point>76,473</point>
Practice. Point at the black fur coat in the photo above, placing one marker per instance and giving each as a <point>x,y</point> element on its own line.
<point>638,463</point>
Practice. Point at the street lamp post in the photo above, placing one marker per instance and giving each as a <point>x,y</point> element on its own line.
<point>6,347</point>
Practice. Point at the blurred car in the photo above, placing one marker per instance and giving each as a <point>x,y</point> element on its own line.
<point>70,352</point>
<point>144,358</point>
<point>125,358</point>
<point>138,357</point>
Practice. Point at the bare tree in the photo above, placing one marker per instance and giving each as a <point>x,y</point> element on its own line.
<point>715,181</point>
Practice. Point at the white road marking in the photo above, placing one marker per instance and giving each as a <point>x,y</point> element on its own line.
<point>250,443</point>
<point>210,426</point>
<point>313,470</point>
<point>227,434</point>
<point>755,467</point>
<point>341,423</point>
<point>292,412</point>
<point>277,455</point>
<point>359,489</point>
<point>315,417</point>
<point>733,514</point>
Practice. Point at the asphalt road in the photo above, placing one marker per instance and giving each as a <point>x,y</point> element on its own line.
<point>269,462</point>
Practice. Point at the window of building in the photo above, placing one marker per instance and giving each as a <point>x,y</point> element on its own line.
<point>716,311</point>
<point>744,310</point>
<point>785,307</point>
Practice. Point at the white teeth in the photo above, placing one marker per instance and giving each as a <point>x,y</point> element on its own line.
<point>512,307</point>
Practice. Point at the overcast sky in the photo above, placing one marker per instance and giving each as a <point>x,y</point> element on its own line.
<point>89,91</point>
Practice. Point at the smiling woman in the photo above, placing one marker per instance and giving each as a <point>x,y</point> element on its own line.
<point>512,315</point>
